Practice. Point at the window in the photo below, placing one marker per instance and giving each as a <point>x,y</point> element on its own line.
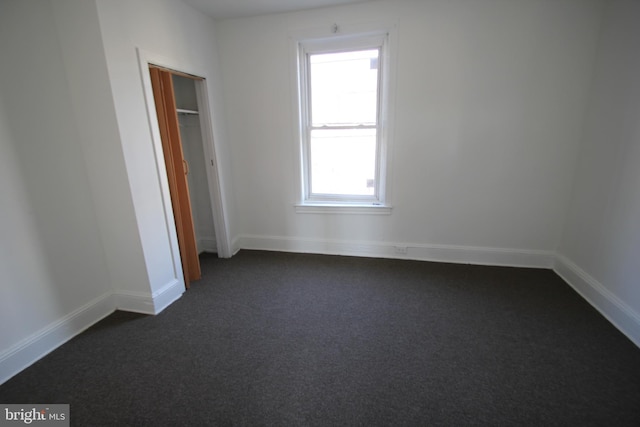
<point>342,98</point>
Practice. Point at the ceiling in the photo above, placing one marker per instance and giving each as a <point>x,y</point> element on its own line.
<point>228,9</point>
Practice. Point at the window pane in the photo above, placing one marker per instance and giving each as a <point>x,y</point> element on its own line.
<point>344,88</point>
<point>343,161</point>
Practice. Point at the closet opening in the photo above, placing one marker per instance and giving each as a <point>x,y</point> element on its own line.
<point>195,157</point>
<point>189,161</point>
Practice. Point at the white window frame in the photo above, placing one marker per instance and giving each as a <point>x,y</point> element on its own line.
<point>339,41</point>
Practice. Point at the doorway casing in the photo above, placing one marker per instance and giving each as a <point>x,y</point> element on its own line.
<point>145,59</point>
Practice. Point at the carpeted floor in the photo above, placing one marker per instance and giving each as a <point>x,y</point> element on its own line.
<point>281,339</point>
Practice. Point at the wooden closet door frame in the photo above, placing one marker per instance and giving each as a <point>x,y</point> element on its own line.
<point>177,169</point>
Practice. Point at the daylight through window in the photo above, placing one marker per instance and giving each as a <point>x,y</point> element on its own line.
<point>341,95</point>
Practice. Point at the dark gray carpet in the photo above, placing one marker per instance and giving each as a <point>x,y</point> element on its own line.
<point>291,339</point>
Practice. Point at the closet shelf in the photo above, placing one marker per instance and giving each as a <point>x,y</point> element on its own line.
<point>183,111</point>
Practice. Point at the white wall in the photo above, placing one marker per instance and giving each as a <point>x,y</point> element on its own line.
<point>489,98</point>
<point>82,225</point>
<point>54,275</point>
<point>601,245</point>
<point>95,119</point>
<point>185,40</point>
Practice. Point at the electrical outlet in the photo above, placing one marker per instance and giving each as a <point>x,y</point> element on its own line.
<point>401,250</point>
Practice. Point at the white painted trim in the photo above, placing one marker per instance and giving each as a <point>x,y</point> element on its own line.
<point>136,302</point>
<point>319,208</point>
<point>345,31</point>
<point>216,198</point>
<point>145,303</point>
<point>144,59</point>
<point>34,347</point>
<point>169,293</point>
<point>402,250</point>
<point>235,245</point>
<point>616,311</point>
<point>207,244</point>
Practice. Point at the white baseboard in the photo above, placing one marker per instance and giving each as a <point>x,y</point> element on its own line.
<point>413,251</point>
<point>146,303</point>
<point>34,347</point>
<point>235,245</point>
<point>609,305</point>
<point>207,244</point>
<point>620,314</point>
<point>37,345</point>
<point>167,295</point>
<point>136,302</point>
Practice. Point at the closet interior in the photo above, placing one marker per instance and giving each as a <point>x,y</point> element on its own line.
<point>193,152</point>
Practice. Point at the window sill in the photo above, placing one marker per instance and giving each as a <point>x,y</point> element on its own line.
<point>338,208</point>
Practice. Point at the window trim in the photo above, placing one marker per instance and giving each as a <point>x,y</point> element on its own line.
<point>343,208</point>
<point>305,44</point>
